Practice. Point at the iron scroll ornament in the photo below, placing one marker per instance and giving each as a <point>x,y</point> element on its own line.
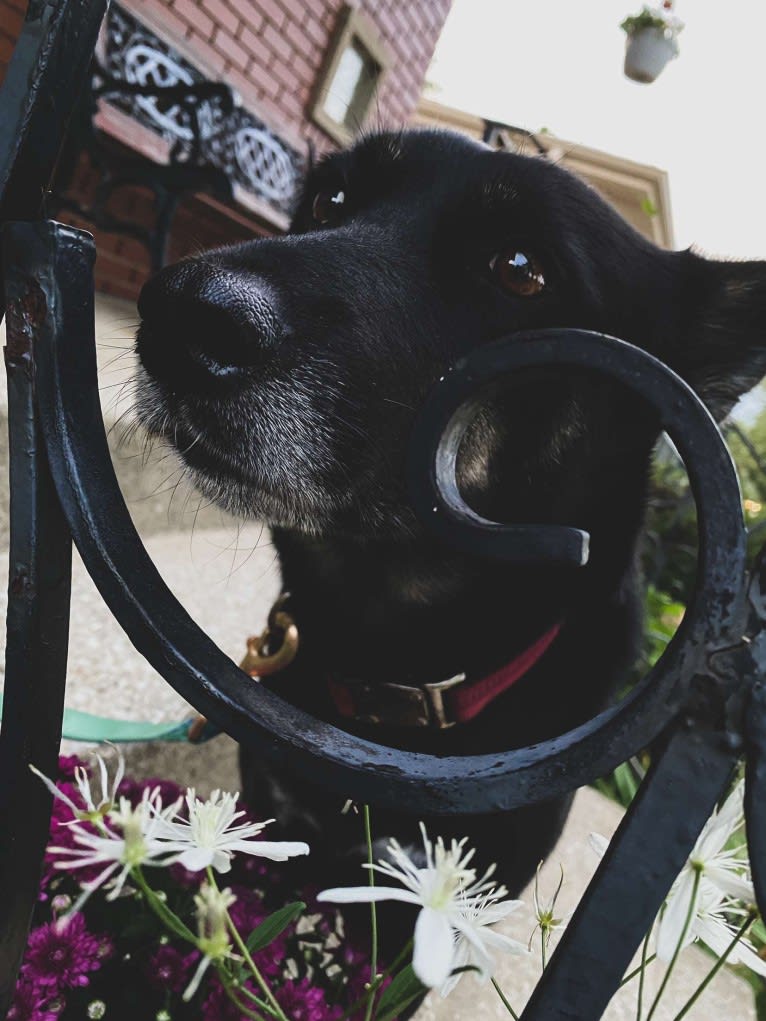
<point>164,633</point>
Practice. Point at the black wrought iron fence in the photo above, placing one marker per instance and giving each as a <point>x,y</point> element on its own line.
<point>706,697</point>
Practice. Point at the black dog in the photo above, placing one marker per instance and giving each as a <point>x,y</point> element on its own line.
<point>288,372</point>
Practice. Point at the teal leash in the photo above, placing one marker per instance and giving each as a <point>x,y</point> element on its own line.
<point>81,726</point>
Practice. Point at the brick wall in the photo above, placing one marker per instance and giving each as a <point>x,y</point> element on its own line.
<point>271,52</point>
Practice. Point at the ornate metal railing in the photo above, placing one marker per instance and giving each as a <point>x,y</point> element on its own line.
<point>215,145</point>
<point>706,697</point>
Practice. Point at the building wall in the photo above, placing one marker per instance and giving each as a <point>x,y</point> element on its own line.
<point>272,52</point>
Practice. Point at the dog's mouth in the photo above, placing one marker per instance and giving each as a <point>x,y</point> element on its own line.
<point>232,453</point>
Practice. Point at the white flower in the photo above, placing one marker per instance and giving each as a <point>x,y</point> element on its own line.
<point>455,906</point>
<point>126,839</point>
<point>474,941</point>
<point>598,844</point>
<point>209,838</point>
<point>716,931</point>
<point>212,927</point>
<point>716,879</point>
<point>94,809</point>
<point>723,875</point>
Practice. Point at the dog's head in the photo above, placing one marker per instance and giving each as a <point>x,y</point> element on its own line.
<point>287,371</point>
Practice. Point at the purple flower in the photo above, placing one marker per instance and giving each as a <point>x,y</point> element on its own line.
<point>271,960</point>
<point>357,967</point>
<point>169,968</point>
<point>32,1002</point>
<point>185,878</point>
<point>218,1006</point>
<point>67,766</point>
<point>63,956</point>
<point>247,911</point>
<point>302,1001</point>
<point>133,790</point>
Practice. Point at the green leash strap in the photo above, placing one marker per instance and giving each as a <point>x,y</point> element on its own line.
<point>80,726</point>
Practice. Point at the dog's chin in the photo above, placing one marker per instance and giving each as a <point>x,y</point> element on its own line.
<point>275,488</point>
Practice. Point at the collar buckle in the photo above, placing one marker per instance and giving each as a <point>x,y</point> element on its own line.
<point>403,705</point>
<point>434,698</point>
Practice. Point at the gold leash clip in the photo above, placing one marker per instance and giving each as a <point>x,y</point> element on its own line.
<point>279,635</point>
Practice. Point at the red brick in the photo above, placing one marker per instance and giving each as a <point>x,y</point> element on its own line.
<point>256,47</point>
<point>215,63</point>
<point>273,11</point>
<point>276,41</point>
<point>11,20</point>
<point>298,37</point>
<point>247,11</point>
<point>237,55</point>
<point>6,49</point>
<point>305,72</point>
<point>196,18</point>
<point>285,73</point>
<point>222,15</point>
<point>291,104</point>
<point>262,80</point>
<point>316,32</point>
<point>173,27</point>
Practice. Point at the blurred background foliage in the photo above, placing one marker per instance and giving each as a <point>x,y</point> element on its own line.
<point>669,564</point>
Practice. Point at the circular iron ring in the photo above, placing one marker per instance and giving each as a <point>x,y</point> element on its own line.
<point>186,657</point>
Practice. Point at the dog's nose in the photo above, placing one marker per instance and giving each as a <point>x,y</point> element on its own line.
<point>223,322</point>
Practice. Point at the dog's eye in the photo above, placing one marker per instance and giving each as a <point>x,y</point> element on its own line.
<point>518,272</point>
<point>328,206</point>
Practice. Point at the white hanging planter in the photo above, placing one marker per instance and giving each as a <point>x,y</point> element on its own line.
<point>647,52</point>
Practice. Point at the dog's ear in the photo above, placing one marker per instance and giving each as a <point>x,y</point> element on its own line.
<point>722,348</point>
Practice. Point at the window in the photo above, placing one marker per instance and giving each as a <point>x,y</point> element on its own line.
<point>354,68</point>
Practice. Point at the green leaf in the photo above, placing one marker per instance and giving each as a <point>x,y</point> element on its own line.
<point>648,207</point>
<point>626,782</point>
<point>272,926</point>
<point>405,988</point>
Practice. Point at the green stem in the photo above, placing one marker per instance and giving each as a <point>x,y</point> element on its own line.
<point>543,946</point>
<point>506,1004</point>
<point>378,981</point>
<point>679,946</point>
<point>637,971</point>
<point>169,919</point>
<point>227,987</point>
<point>242,947</point>
<point>751,917</point>
<point>642,980</point>
<point>373,918</point>
<point>243,990</point>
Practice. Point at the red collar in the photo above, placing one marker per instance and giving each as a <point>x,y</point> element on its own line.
<point>441,704</point>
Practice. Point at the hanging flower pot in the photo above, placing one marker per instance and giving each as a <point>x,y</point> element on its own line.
<point>652,41</point>
<point>646,54</point>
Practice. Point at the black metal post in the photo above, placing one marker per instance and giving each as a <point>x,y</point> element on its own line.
<point>44,78</point>
<point>645,856</point>
<point>38,591</point>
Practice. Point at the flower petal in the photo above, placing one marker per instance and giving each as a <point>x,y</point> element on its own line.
<point>674,918</point>
<point>461,959</point>
<point>366,895</point>
<point>731,883</point>
<point>598,844</point>
<point>276,850</point>
<point>195,859</point>
<point>434,948</point>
